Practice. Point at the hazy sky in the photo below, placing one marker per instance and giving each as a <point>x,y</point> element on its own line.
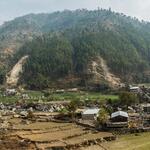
<point>10,9</point>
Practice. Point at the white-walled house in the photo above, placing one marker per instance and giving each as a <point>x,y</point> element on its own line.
<point>90,114</point>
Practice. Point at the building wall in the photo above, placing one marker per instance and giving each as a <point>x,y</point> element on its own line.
<point>119,119</point>
<point>146,109</point>
<point>88,117</point>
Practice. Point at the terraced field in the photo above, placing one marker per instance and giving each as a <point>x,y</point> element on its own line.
<point>52,135</point>
<point>58,135</point>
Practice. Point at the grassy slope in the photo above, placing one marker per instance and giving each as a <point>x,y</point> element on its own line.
<point>131,142</point>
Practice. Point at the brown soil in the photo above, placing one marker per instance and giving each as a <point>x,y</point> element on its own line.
<point>50,135</point>
<point>15,143</point>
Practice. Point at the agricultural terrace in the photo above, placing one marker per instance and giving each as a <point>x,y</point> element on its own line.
<point>54,135</point>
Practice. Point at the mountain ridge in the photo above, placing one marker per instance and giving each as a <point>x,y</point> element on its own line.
<point>122,41</point>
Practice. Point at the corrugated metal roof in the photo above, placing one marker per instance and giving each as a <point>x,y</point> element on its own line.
<point>119,113</point>
<point>91,111</point>
<point>134,88</point>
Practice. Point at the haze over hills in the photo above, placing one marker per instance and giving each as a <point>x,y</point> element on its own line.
<point>76,48</point>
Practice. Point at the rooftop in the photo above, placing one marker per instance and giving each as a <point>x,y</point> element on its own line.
<point>119,113</point>
<point>91,111</point>
<point>134,88</point>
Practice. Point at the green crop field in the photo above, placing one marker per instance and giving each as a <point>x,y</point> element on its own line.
<point>82,96</point>
<point>38,95</point>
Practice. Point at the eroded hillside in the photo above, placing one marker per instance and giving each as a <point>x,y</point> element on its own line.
<point>99,72</point>
<point>63,43</point>
<point>14,75</point>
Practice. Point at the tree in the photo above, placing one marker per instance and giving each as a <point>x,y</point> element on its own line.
<point>103,116</point>
<point>72,107</point>
<point>2,74</point>
<point>127,98</point>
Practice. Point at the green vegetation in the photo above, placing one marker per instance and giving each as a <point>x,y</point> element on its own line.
<point>130,142</point>
<point>103,116</point>
<point>2,74</point>
<point>34,93</point>
<point>82,96</point>
<point>72,107</point>
<point>64,43</point>
<point>10,99</point>
<point>72,96</point>
<point>128,98</point>
<point>50,58</point>
<point>123,42</point>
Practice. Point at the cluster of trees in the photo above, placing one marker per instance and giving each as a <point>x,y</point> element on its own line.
<point>77,37</point>
<point>2,74</point>
<point>128,98</point>
<point>56,55</point>
<point>50,57</point>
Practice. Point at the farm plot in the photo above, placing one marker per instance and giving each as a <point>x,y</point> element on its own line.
<point>55,135</point>
<point>40,125</point>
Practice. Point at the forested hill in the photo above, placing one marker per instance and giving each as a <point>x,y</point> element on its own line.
<point>65,43</point>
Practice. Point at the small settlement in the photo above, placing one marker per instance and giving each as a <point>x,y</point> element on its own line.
<point>70,124</point>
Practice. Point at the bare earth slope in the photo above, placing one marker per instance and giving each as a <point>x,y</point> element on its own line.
<point>99,71</point>
<point>14,75</point>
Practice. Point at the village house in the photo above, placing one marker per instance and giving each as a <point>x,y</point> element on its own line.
<point>90,114</point>
<point>134,89</point>
<point>146,114</point>
<point>119,116</point>
<point>118,119</point>
<point>146,108</point>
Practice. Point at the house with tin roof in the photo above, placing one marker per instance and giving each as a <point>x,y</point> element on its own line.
<point>119,116</point>
<point>118,119</point>
<point>90,114</point>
